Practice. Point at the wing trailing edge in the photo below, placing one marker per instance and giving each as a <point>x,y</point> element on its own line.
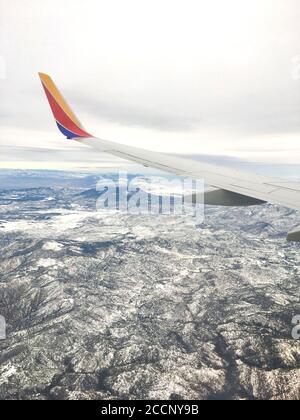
<point>219,197</point>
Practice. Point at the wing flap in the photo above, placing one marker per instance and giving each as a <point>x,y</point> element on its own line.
<point>294,235</point>
<point>218,197</point>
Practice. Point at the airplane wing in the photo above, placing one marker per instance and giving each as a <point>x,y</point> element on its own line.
<point>231,187</point>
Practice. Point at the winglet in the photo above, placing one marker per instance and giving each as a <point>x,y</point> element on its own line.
<point>66,120</point>
<point>294,235</point>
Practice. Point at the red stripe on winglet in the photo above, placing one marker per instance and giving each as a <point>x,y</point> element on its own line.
<point>63,118</point>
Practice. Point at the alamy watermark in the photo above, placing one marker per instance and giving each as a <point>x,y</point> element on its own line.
<point>296,329</point>
<point>2,328</point>
<point>152,196</point>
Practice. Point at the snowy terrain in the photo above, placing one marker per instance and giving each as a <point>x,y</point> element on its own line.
<point>108,305</point>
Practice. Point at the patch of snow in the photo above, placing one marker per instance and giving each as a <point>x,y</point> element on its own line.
<point>52,246</point>
<point>46,262</point>
<point>4,377</point>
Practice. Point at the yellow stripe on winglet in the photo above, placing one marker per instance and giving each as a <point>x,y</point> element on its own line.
<point>50,85</point>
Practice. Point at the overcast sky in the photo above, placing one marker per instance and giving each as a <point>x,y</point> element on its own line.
<point>203,76</point>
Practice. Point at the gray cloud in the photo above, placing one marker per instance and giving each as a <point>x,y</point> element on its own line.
<point>127,114</point>
<point>86,155</point>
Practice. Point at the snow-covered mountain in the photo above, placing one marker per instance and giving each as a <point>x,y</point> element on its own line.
<point>109,305</point>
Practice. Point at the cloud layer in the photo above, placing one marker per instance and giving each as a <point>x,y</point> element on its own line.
<point>187,76</point>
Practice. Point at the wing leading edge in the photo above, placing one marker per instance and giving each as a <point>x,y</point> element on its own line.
<point>232,187</point>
